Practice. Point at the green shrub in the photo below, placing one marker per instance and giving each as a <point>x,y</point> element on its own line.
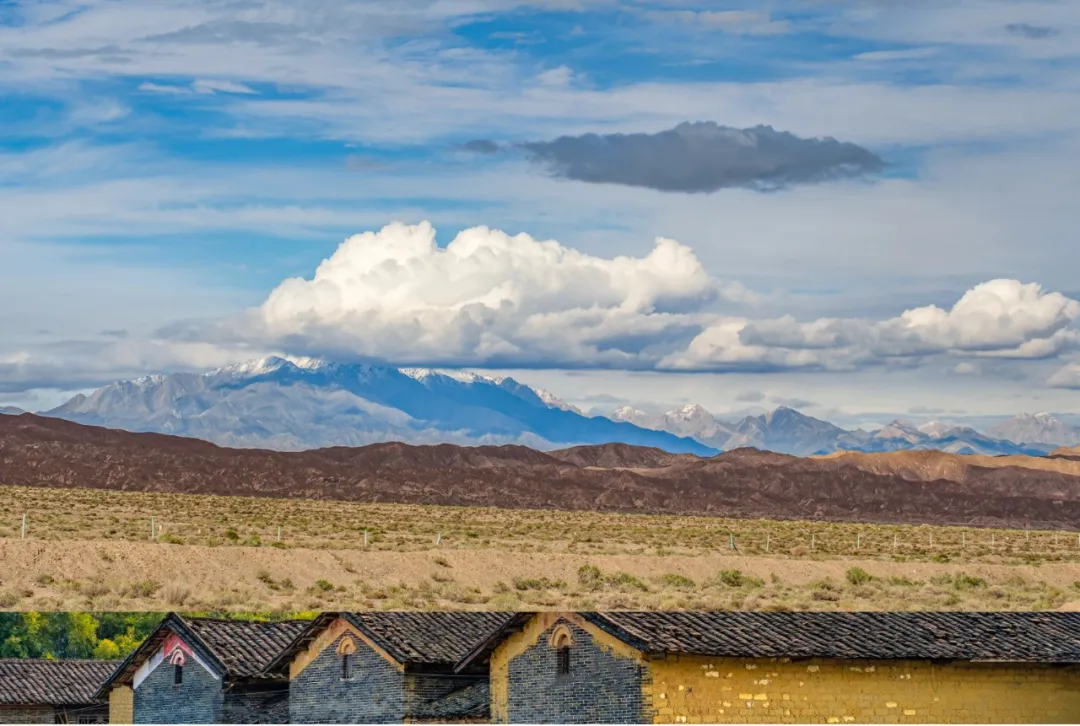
<point>858,576</point>
<point>624,580</point>
<point>735,578</point>
<point>324,585</point>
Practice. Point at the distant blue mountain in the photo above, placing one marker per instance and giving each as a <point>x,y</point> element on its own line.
<point>300,404</point>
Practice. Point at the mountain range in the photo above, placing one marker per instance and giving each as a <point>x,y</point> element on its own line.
<point>788,431</point>
<point>913,487</point>
<point>297,404</point>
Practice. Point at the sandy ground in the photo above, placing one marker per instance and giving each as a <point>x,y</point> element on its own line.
<point>38,570</point>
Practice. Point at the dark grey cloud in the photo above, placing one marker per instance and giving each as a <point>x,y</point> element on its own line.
<point>703,157</point>
<point>115,333</point>
<point>1032,32</point>
<point>750,397</point>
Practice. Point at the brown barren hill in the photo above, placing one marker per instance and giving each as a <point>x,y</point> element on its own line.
<point>933,464</point>
<point>46,452</point>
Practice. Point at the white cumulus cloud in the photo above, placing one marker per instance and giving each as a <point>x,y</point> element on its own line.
<point>489,298</point>
<point>999,318</point>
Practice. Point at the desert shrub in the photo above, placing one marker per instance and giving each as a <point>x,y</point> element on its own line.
<point>964,581</point>
<point>442,562</point>
<point>324,585</point>
<point>144,588</point>
<point>672,579</point>
<point>534,583</point>
<point>176,594</point>
<point>95,588</point>
<point>170,538</point>
<point>624,580</point>
<point>232,535</point>
<point>735,578</point>
<point>590,577</point>
<point>858,576</point>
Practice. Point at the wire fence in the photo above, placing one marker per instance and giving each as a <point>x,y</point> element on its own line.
<point>755,537</point>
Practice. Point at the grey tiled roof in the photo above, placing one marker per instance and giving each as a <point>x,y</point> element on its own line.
<point>32,681</point>
<point>233,648</point>
<point>245,647</point>
<point>427,637</point>
<point>1033,637</point>
<point>1043,637</point>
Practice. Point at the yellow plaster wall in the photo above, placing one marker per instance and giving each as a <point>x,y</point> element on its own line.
<point>521,641</point>
<point>121,705</point>
<point>324,639</point>
<point>693,689</point>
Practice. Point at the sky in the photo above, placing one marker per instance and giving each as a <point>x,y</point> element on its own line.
<point>865,208</point>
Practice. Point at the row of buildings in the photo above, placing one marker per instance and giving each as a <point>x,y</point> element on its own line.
<point>572,667</point>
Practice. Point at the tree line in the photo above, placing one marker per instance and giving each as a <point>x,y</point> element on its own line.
<point>100,636</point>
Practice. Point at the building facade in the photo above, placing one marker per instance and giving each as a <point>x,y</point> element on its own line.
<point>785,668</point>
<point>53,691</point>
<point>203,670</point>
<point>389,668</point>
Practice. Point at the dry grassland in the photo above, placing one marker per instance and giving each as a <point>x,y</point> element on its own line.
<point>93,549</point>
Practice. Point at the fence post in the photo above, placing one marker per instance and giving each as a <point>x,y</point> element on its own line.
<point>24,525</point>
<point>858,541</point>
<point>766,543</point>
<point>153,530</point>
<point>365,538</point>
<point>279,533</point>
<point>963,539</point>
<point>895,537</point>
<point>731,541</point>
<point>811,541</point>
<point>438,542</point>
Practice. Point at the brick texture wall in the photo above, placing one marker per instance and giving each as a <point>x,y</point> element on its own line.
<point>26,714</point>
<point>601,687</point>
<point>718,690</point>
<point>198,699</point>
<point>256,703</point>
<point>374,695</point>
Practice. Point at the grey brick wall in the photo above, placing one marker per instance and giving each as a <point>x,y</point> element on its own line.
<point>198,699</point>
<point>256,703</point>
<point>374,695</point>
<point>26,714</point>
<point>421,689</point>
<point>600,688</point>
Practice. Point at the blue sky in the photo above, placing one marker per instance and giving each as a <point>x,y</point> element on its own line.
<point>164,166</point>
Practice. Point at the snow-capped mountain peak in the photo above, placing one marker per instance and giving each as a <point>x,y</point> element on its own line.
<point>276,402</point>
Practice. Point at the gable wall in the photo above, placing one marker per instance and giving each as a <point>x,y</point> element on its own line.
<point>198,699</point>
<point>607,683</point>
<point>694,689</point>
<point>317,693</point>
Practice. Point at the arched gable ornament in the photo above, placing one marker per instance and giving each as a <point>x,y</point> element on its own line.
<point>346,646</point>
<point>178,657</point>
<point>561,637</point>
